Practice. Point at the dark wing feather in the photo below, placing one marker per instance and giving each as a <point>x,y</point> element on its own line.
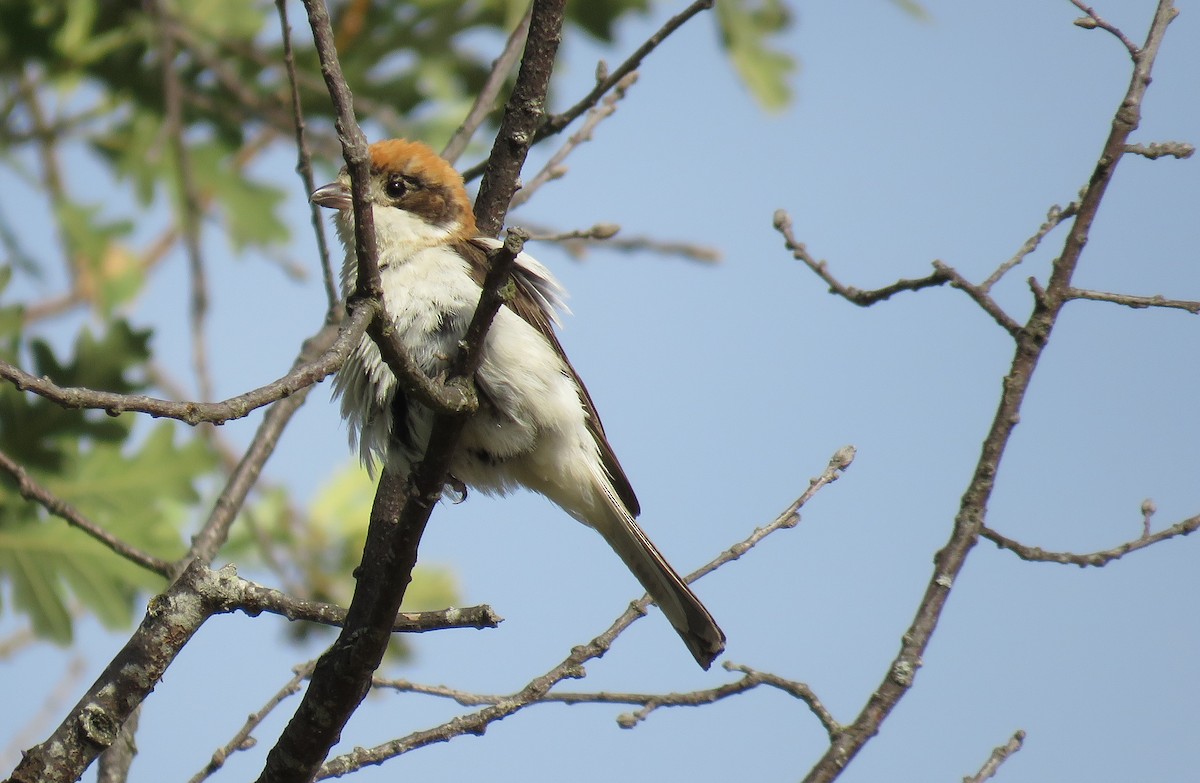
<point>532,307</point>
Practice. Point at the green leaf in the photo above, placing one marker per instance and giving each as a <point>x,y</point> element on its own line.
<point>746,27</point>
<point>108,274</point>
<point>52,567</point>
<point>39,433</point>
<point>138,497</point>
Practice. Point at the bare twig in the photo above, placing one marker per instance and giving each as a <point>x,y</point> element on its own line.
<point>300,377</point>
<point>600,231</point>
<point>572,666</point>
<point>1093,21</point>
<point>605,235</point>
<point>1162,149</point>
<point>1054,217</point>
<point>783,224</point>
<point>555,168</point>
<point>253,599</point>
<point>980,297</point>
<point>304,163</point>
<point>486,99</point>
<point>1136,302</point>
<point>998,757</point>
<point>1096,559</point>
<point>242,739</point>
<point>556,123</point>
<point>649,702</point>
<point>1031,342</point>
<point>35,492</point>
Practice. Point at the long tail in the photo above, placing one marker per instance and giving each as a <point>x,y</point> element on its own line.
<point>683,609</point>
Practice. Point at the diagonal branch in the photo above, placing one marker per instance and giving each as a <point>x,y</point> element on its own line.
<point>304,375</point>
<point>403,504</point>
<point>783,224</point>
<point>484,101</point>
<point>304,161</point>
<point>998,757</point>
<point>1054,216</point>
<point>35,492</point>
<point>572,666</point>
<point>969,522</point>
<point>557,122</point>
<point>1098,559</point>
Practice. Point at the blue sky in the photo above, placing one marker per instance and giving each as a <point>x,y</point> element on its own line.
<point>725,388</point>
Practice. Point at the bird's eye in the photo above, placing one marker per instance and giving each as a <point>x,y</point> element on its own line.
<point>396,187</point>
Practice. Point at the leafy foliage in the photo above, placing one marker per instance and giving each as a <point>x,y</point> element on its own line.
<point>136,490</point>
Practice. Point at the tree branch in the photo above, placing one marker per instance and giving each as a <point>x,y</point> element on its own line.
<point>1054,216</point>
<point>1096,559</point>
<point>484,101</point>
<point>35,492</point>
<point>649,702</point>
<point>998,757</point>
<point>302,376</point>
<point>572,666</point>
<point>783,224</point>
<point>304,163</point>
<point>969,522</point>
<point>556,123</point>
<point>403,504</point>
<point>1136,302</point>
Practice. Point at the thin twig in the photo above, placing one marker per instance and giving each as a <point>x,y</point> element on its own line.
<point>649,702</point>
<point>783,224</point>
<point>1093,20</point>
<point>1136,302</point>
<point>1054,216</point>
<point>973,508</point>
<point>572,666</point>
<point>605,235</point>
<point>1095,559</point>
<point>35,492</point>
<point>304,164</point>
<point>299,378</point>
<point>980,297</point>
<point>242,739</point>
<point>556,123</point>
<point>555,168</point>
<point>1162,149</point>
<point>486,99</point>
<point>254,599</point>
<point>998,757</point>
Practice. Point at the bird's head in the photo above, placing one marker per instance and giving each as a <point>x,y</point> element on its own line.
<point>418,199</point>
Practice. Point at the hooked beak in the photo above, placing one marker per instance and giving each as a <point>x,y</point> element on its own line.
<point>335,195</point>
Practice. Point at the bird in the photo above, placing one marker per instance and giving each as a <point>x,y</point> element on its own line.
<point>536,425</point>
